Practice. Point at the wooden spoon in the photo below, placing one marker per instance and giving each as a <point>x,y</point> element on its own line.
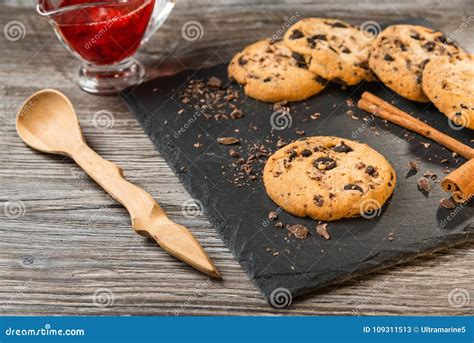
<point>47,122</point>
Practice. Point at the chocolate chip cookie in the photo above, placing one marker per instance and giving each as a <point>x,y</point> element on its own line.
<point>449,84</point>
<point>334,49</point>
<point>328,178</point>
<point>399,54</point>
<point>271,72</point>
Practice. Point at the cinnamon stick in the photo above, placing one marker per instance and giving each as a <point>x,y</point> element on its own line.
<point>407,121</point>
<point>459,182</point>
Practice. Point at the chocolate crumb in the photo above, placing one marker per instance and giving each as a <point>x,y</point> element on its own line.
<point>413,165</point>
<point>430,175</point>
<point>424,184</point>
<point>233,153</point>
<point>281,143</point>
<point>321,230</point>
<point>272,215</point>
<point>214,82</point>
<point>446,203</point>
<point>298,230</point>
<point>425,145</point>
<point>236,114</point>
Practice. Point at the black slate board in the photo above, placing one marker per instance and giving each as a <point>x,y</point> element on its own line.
<point>357,246</point>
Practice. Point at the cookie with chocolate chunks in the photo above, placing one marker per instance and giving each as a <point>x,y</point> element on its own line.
<point>449,84</point>
<point>270,72</point>
<point>335,50</point>
<point>400,53</point>
<point>339,179</point>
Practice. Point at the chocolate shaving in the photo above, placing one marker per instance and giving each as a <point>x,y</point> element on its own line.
<point>227,140</point>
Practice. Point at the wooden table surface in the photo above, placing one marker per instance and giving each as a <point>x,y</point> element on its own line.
<point>68,248</point>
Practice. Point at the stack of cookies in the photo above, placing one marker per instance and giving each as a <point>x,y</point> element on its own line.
<point>416,62</point>
<point>312,52</point>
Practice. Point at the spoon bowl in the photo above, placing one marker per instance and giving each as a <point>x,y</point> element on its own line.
<point>47,122</point>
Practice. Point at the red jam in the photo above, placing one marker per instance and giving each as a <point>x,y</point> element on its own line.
<point>107,34</point>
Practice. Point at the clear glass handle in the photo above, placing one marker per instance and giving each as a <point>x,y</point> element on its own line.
<point>161,11</point>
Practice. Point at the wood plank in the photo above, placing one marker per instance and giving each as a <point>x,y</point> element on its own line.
<point>73,240</point>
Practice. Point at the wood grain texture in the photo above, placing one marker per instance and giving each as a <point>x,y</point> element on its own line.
<point>69,240</point>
